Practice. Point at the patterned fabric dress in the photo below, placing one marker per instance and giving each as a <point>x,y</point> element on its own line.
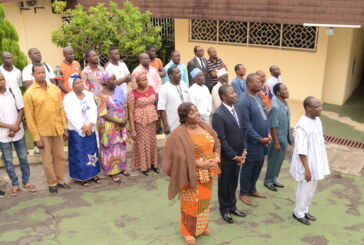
<point>112,137</point>
<point>92,78</point>
<point>265,96</point>
<point>145,151</point>
<point>195,203</point>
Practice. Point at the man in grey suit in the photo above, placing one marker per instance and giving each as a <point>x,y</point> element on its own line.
<point>198,62</point>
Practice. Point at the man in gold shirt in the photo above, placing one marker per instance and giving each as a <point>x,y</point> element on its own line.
<point>46,121</point>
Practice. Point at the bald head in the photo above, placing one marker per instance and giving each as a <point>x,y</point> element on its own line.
<point>35,55</point>
<point>144,59</point>
<point>275,71</point>
<point>7,59</point>
<point>69,54</point>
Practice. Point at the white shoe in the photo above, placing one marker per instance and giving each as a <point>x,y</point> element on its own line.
<point>36,150</point>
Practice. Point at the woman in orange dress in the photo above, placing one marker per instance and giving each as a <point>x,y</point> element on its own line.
<point>191,159</point>
<point>142,117</point>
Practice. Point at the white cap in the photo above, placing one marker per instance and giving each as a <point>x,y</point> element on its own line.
<point>221,72</point>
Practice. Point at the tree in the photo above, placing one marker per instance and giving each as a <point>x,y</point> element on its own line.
<point>100,27</point>
<point>9,41</point>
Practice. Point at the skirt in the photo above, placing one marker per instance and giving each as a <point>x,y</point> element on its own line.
<point>113,158</point>
<point>83,156</point>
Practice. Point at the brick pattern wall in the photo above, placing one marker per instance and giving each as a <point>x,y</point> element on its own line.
<point>349,12</point>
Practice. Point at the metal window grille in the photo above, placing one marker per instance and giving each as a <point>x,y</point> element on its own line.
<point>282,36</point>
<point>167,25</point>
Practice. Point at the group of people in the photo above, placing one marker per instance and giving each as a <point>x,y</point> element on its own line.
<point>213,129</point>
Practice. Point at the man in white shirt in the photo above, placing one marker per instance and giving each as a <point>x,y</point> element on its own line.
<point>170,96</point>
<point>223,77</point>
<point>11,73</point>
<point>200,95</point>
<point>119,68</point>
<point>309,159</point>
<point>275,72</point>
<point>36,57</point>
<point>12,133</point>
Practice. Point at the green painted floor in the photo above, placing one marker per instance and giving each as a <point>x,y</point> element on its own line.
<point>140,214</point>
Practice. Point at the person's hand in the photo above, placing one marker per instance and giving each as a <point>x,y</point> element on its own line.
<point>65,135</point>
<point>133,134</point>
<point>213,74</point>
<point>167,130</point>
<point>308,175</point>
<point>209,164</point>
<point>264,141</point>
<point>39,144</point>
<point>239,160</point>
<point>11,133</point>
<point>277,146</point>
<point>122,123</point>
<point>243,156</point>
<point>128,79</point>
<point>14,127</point>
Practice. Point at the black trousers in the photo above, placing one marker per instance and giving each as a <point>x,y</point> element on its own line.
<point>227,184</point>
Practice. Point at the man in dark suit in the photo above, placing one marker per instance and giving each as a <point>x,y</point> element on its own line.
<point>230,128</point>
<point>198,62</point>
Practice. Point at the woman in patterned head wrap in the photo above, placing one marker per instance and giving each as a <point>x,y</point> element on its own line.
<point>81,112</point>
<point>142,118</point>
<point>112,122</point>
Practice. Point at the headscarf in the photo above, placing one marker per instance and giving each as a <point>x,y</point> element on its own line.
<point>138,75</point>
<point>195,72</point>
<point>118,96</point>
<point>72,79</point>
<point>105,77</point>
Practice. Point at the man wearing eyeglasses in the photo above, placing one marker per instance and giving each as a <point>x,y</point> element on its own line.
<point>309,159</point>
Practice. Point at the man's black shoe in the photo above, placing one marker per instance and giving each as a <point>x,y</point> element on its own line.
<point>238,213</point>
<point>53,189</point>
<point>276,184</point>
<point>301,220</point>
<point>64,186</point>
<point>227,217</point>
<point>310,217</point>
<point>270,187</point>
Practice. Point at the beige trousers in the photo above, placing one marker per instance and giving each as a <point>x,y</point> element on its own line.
<point>54,160</point>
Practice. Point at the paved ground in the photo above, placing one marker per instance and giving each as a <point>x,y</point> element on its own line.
<point>138,212</point>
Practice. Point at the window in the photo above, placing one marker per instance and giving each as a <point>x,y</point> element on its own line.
<point>282,36</point>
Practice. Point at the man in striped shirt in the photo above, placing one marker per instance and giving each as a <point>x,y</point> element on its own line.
<point>213,65</point>
<point>309,159</point>
<point>12,133</point>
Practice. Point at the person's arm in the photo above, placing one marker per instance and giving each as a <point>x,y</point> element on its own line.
<point>161,71</point>
<point>29,114</point>
<point>125,79</point>
<point>131,104</point>
<point>59,83</point>
<point>166,127</point>
<point>308,174</point>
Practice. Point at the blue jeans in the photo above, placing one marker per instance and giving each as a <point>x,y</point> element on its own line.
<point>21,151</point>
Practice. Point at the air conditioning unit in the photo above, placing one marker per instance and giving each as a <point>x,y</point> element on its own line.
<point>32,4</point>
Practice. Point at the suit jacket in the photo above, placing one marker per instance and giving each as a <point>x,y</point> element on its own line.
<point>233,138</point>
<point>194,63</point>
<point>238,86</point>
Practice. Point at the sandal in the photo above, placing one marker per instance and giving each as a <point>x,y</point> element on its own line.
<point>189,240</point>
<point>14,191</point>
<point>125,173</point>
<point>30,187</point>
<point>115,178</point>
<point>157,170</point>
<point>96,179</point>
<point>146,172</point>
<point>85,183</point>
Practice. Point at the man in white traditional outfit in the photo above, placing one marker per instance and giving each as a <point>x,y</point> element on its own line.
<point>309,160</point>
<point>200,95</point>
<point>223,79</point>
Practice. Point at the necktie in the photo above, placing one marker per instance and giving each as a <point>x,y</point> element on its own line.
<point>235,116</point>
<point>202,65</point>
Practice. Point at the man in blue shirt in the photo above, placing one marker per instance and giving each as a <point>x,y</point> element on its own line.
<point>175,61</point>
<point>239,82</point>
<point>256,122</point>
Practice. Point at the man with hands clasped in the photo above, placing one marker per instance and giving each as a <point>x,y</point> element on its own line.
<point>230,128</point>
